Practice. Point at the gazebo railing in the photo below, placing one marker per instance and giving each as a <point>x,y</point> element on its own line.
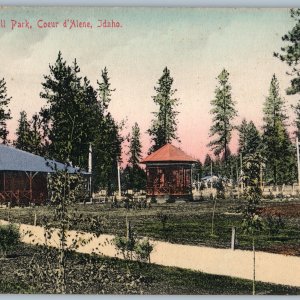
<point>168,190</point>
<point>20,197</point>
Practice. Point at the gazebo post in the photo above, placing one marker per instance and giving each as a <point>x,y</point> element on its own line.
<point>30,177</point>
<point>30,187</point>
<point>4,181</point>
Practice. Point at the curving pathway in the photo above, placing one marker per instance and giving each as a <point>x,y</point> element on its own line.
<point>272,268</point>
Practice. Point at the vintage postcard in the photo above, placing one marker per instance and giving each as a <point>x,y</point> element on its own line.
<point>149,151</point>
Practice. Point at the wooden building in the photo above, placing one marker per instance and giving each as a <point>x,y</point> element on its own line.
<point>169,174</point>
<point>23,176</point>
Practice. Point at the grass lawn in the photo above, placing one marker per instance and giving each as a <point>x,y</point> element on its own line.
<point>113,276</point>
<point>186,223</point>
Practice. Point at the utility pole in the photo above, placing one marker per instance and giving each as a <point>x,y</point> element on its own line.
<point>237,179</point>
<point>298,162</point>
<point>211,176</point>
<point>261,176</point>
<point>90,171</point>
<point>192,179</point>
<point>241,161</point>
<point>119,179</point>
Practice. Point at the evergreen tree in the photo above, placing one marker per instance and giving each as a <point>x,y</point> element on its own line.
<point>28,134</point>
<point>134,174</point>
<point>223,112</point>
<point>249,146</point>
<point>107,144</point>
<point>277,147</point>
<point>23,133</point>
<point>135,147</point>
<point>35,135</point>
<point>104,90</point>
<point>76,116</point>
<point>134,178</point>
<point>70,115</point>
<point>197,171</point>
<point>208,165</point>
<point>249,138</point>
<point>164,126</point>
<point>226,167</point>
<point>5,114</point>
<point>291,55</point>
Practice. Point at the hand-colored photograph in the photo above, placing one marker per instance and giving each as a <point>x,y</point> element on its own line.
<point>149,151</point>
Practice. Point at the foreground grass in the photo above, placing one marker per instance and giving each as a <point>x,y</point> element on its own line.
<point>149,279</point>
<point>186,223</point>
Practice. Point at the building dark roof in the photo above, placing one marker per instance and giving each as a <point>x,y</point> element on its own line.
<point>12,159</point>
<point>168,153</point>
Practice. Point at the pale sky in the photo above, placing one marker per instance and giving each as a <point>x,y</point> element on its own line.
<point>195,44</point>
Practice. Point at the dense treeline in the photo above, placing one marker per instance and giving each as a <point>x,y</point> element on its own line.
<point>76,115</point>
<point>272,145</point>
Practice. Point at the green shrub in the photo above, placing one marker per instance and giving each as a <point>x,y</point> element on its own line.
<point>163,218</point>
<point>274,224</point>
<point>9,238</point>
<point>134,248</point>
<point>125,245</point>
<point>143,249</point>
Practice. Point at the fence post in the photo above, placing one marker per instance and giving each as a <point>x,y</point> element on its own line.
<point>128,229</point>
<point>34,221</point>
<point>233,238</point>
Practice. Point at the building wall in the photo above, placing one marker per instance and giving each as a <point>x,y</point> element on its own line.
<point>168,180</point>
<point>23,188</point>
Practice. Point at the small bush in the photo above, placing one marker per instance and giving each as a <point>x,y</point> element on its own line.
<point>126,246</point>
<point>143,250</point>
<point>134,248</point>
<point>274,224</point>
<point>163,218</point>
<point>153,200</point>
<point>9,238</point>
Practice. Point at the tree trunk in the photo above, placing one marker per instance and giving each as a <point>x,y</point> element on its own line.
<point>275,175</point>
<point>213,217</point>
<point>253,283</point>
<point>62,270</point>
<point>62,247</point>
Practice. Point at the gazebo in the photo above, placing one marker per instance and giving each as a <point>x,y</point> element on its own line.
<point>169,174</point>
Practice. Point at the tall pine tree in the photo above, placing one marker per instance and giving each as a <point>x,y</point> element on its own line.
<point>208,165</point>
<point>291,55</point>
<point>104,90</point>
<point>5,114</point>
<point>249,138</point>
<point>277,147</point>
<point>223,112</point>
<point>76,116</point>
<point>23,133</point>
<point>135,147</point>
<point>164,126</point>
<point>28,134</point>
<point>134,174</point>
<point>35,135</point>
<point>250,150</point>
<point>108,141</point>
<point>70,113</point>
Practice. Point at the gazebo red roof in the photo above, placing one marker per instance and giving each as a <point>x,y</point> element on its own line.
<point>168,153</point>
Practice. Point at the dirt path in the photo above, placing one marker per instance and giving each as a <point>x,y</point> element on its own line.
<point>272,268</point>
